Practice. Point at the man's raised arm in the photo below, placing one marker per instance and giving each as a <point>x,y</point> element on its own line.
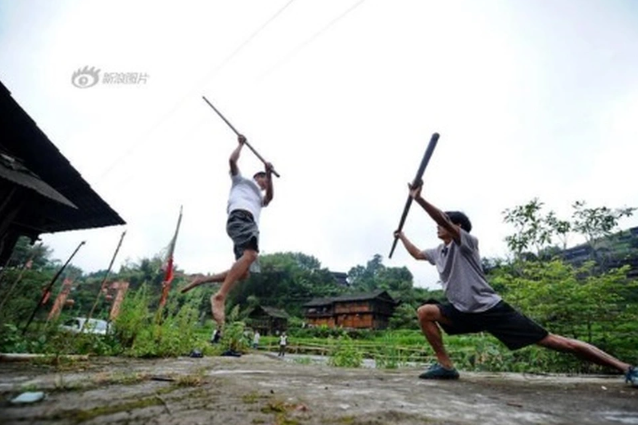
<point>415,252</point>
<point>234,169</point>
<point>436,214</point>
<point>270,191</point>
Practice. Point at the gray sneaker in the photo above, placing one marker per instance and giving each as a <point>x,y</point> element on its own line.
<point>436,371</point>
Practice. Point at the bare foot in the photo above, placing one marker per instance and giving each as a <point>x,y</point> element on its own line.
<point>198,280</point>
<point>217,304</point>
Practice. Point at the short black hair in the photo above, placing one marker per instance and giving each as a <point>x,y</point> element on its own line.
<point>460,219</point>
<point>259,174</point>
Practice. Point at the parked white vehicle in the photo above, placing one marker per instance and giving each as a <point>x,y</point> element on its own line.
<point>94,326</point>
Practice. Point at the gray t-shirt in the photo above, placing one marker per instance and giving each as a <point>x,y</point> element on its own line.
<point>461,273</point>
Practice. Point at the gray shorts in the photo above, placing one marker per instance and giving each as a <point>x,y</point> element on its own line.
<point>243,231</point>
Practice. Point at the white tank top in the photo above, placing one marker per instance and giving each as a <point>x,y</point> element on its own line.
<point>246,195</point>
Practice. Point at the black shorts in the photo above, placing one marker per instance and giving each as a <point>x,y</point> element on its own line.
<point>512,328</point>
<point>242,229</point>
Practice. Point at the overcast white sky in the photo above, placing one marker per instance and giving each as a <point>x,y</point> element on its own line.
<point>531,98</point>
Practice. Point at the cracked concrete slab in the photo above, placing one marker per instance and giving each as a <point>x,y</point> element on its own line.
<point>259,388</point>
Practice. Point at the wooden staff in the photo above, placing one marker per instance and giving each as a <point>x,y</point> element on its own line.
<point>50,285</point>
<point>239,134</point>
<point>415,182</point>
<point>106,276</point>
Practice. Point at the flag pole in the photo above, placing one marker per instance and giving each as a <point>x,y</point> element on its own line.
<point>168,275</point>
<point>106,276</point>
<point>49,286</point>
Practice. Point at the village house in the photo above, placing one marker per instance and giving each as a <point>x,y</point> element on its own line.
<point>371,310</point>
<point>612,252</point>
<point>341,278</point>
<point>268,320</point>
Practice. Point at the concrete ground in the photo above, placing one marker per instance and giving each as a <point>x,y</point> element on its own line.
<point>262,389</point>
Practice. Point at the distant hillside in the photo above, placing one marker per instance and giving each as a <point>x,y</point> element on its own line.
<point>611,252</point>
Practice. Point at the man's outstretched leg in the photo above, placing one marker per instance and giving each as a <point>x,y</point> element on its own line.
<point>429,317</point>
<point>216,278</point>
<point>589,353</point>
<point>200,280</point>
<point>238,271</point>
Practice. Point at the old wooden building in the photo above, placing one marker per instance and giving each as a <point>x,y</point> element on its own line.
<point>341,278</point>
<point>612,252</point>
<point>40,191</point>
<point>371,310</point>
<point>268,320</point>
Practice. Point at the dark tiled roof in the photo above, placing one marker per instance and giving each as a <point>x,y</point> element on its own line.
<point>21,138</point>
<point>270,311</point>
<point>341,278</point>
<point>12,170</point>
<point>364,296</point>
<point>315,302</point>
<point>274,312</point>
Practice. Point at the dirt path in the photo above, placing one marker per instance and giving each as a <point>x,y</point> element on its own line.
<point>260,389</point>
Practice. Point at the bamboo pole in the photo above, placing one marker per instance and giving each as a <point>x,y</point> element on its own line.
<point>239,134</point>
<point>50,285</point>
<point>106,276</point>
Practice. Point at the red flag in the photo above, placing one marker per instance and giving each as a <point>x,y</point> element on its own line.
<point>60,301</point>
<point>121,288</point>
<point>47,295</point>
<point>169,275</point>
<point>168,265</point>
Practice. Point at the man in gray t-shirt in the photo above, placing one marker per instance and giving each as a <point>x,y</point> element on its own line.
<point>473,306</point>
<point>459,267</point>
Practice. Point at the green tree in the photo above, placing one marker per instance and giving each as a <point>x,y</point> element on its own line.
<point>22,285</point>
<point>584,301</point>
<point>39,254</point>
<point>286,281</point>
<point>596,224</point>
<point>375,275</point>
<point>572,301</point>
<point>404,317</point>
<point>531,229</point>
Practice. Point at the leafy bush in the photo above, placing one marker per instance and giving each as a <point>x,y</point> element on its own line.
<point>234,338</point>
<point>52,340</point>
<point>388,355</point>
<point>172,335</point>
<point>11,340</point>
<point>344,354</point>
<point>134,316</point>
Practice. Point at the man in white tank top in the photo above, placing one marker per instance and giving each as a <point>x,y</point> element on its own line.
<point>245,202</point>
